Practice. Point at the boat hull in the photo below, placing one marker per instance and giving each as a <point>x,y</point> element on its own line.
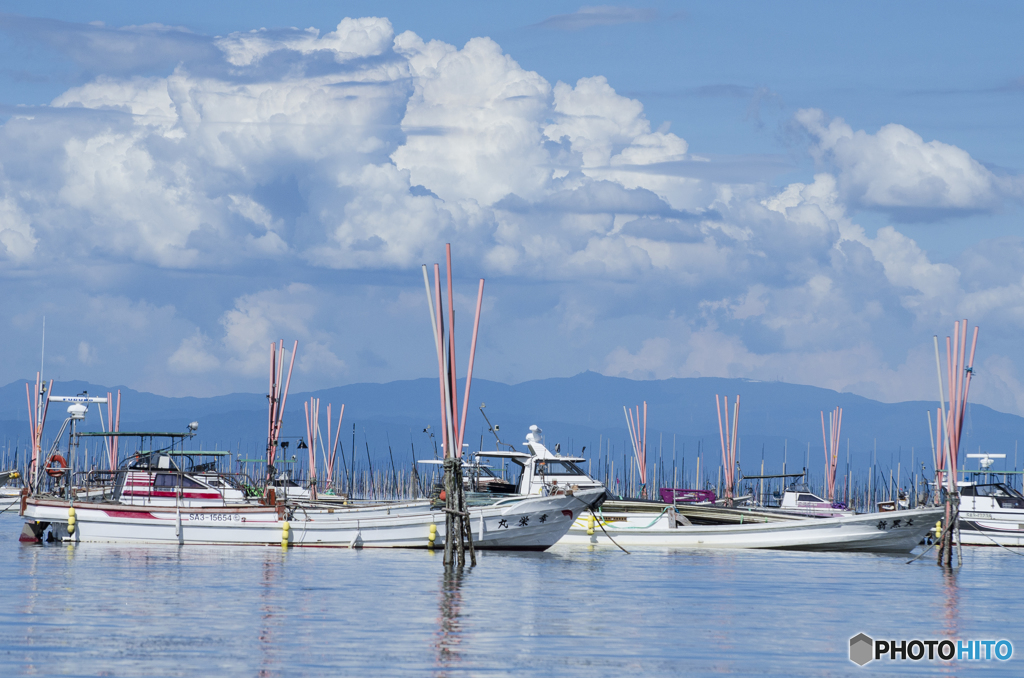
<point>878,532</point>
<point>991,528</point>
<point>528,523</point>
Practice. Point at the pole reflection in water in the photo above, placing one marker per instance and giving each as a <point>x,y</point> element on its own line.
<point>449,624</point>
<point>270,586</point>
<point>951,602</point>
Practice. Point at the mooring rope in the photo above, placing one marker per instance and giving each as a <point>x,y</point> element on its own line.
<point>645,527</point>
<point>1016,553</point>
<point>589,508</point>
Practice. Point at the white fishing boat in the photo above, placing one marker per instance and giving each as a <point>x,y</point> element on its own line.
<point>10,489</point>
<point>155,501</point>
<point>897,532</point>
<point>798,499</point>
<point>991,512</point>
<point>509,523</point>
<point>651,523</point>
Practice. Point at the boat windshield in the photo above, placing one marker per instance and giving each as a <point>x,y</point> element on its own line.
<point>171,480</point>
<point>482,471</point>
<point>1005,496</point>
<point>559,467</point>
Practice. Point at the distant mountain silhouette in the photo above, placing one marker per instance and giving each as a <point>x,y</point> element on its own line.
<point>576,411</point>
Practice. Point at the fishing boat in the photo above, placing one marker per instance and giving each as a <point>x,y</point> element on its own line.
<point>651,523</point>
<point>154,498</point>
<point>509,523</point>
<point>10,490</point>
<point>897,532</point>
<point>798,499</point>
<point>991,512</point>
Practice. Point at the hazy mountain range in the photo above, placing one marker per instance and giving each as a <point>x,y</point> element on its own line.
<point>582,411</point>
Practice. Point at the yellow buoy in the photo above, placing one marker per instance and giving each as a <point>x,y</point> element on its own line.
<point>71,520</point>
<point>284,534</point>
<point>432,535</point>
<point>590,524</point>
<point>938,529</point>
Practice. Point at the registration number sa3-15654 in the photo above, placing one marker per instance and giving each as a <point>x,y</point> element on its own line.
<point>216,517</point>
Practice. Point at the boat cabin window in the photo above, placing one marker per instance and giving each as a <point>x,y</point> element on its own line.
<point>170,480</point>
<point>559,467</point>
<point>810,497</point>
<point>481,471</point>
<point>1006,497</point>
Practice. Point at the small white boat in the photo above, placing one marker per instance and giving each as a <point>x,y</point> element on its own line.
<point>897,532</point>
<point>10,491</point>
<point>799,500</point>
<point>991,514</point>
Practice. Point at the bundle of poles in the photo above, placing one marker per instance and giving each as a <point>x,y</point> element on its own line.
<point>114,426</point>
<point>831,442</point>
<point>37,408</point>
<point>638,436</point>
<point>458,534</point>
<point>278,398</point>
<point>328,453</point>
<point>728,443</point>
<point>950,423</point>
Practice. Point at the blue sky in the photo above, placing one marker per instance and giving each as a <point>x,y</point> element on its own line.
<point>798,191</point>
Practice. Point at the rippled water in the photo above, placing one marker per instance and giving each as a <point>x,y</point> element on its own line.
<point>112,610</point>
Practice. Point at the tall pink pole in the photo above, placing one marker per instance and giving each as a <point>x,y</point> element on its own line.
<point>828,452</point>
<point>970,365</point>
<point>110,427</point>
<point>442,375</point>
<point>309,435</point>
<point>271,398</point>
<point>334,452</point>
<point>950,419</point>
<point>451,354</point>
<point>31,430</point>
<point>329,455</point>
<point>472,357</point>
<point>287,385</point>
<point>633,435</point>
<point>721,437</point>
<point>644,470</point>
<point>735,442</point>
<point>963,377</point>
<point>117,427</point>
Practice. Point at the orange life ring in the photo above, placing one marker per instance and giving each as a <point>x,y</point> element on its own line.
<point>56,471</point>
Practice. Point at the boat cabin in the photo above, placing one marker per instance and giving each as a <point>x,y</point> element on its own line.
<point>542,471</point>
<point>800,497</point>
<point>989,496</point>
<point>157,480</point>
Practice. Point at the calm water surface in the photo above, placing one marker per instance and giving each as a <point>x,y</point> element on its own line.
<point>112,610</point>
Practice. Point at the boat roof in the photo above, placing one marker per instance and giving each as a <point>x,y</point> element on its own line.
<point>508,454</point>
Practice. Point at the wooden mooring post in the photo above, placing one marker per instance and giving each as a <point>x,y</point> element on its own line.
<point>458,532</point>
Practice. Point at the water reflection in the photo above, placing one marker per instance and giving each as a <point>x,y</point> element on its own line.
<point>951,602</point>
<point>449,624</point>
<point>269,585</point>
<point>102,609</point>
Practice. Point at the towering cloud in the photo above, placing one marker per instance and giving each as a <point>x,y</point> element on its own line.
<point>287,183</point>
